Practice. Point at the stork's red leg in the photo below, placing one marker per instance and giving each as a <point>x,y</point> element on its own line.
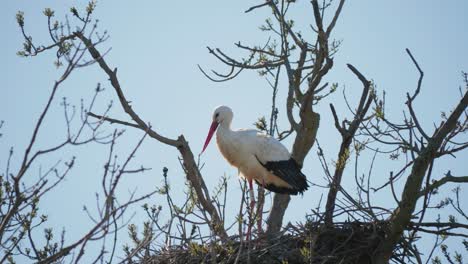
<point>252,205</point>
<point>260,210</point>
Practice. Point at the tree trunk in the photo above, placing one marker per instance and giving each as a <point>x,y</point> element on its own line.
<point>303,142</point>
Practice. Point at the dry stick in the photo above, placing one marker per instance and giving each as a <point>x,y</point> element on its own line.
<point>190,166</point>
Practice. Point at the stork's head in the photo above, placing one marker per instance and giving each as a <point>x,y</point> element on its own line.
<point>222,115</point>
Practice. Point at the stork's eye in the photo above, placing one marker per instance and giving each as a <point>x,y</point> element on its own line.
<point>217,114</point>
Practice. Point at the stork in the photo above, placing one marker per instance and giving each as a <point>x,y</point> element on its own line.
<point>257,156</point>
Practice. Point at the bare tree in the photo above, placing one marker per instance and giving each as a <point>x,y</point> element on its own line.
<point>371,235</point>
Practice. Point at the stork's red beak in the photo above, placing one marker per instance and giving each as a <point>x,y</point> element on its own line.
<point>213,127</point>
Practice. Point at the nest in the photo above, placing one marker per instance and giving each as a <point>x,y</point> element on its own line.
<point>348,242</point>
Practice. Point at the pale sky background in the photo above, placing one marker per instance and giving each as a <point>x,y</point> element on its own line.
<point>157,45</point>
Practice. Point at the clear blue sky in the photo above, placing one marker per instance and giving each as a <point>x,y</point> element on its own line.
<point>157,45</point>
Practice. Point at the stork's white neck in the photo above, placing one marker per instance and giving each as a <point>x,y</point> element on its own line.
<point>224,130</point>
<point>225,139</point>
<point>225,124</point>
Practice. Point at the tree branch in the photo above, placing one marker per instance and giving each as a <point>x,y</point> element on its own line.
<point>190,166</point>
<point>438,183</point>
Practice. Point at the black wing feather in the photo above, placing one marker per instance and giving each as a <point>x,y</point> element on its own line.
<point>290,172</point>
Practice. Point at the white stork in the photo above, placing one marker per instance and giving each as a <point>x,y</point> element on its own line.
<point>257,156</point>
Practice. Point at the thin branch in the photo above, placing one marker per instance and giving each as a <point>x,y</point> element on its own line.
<point>438,183</point>
<point>112,120</point>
